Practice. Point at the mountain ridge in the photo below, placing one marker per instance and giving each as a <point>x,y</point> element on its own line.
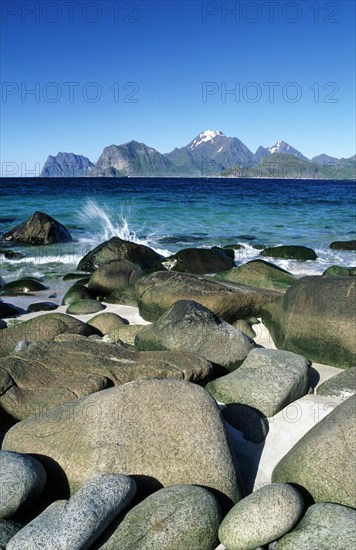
<point>210,154</point>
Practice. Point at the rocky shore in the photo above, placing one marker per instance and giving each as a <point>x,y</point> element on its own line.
<point>178,404</point>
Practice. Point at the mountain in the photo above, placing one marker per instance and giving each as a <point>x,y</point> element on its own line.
<point>132,159</point>
<point>282,166</point>
<point>324,159</point>
<point>65,165</point>
<point>209,154</point>
<point>281,147</point>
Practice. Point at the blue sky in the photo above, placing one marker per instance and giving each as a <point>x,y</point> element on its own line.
<point>160,72</point>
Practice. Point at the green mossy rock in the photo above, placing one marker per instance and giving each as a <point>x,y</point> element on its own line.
<point>261,274</point>
<point>290,252</point>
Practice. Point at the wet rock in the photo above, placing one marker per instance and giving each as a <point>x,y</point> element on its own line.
<point>84,307</point>
<point>261,274</point>
<point>39,229</point>
<point>343,245</point>
<point>26,284</point>
<point>41,306</point>
<point>200,260</point>
<point>290,252</point>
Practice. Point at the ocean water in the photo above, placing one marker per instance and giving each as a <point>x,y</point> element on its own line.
<point>170,214</point>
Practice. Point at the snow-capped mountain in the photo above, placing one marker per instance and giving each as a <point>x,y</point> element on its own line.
<point>280,147</point>
<point>210,153</point>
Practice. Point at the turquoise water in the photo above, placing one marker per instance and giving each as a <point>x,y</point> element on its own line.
<point>169,214</point>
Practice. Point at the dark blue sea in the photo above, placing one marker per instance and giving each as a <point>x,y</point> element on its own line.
<point>169,214</point>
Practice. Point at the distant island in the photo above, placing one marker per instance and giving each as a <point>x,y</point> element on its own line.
<point>210,154</point>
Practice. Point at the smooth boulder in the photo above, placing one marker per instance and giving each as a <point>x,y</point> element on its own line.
<point>200,260</point>
<point>261,517</point>
<point>43,327</point>
<point>267,380</point>
<point>342,385</point>
<point>158,291</point>
<point>290,252</point>
<point>119,249</point>
<point>24,285</point>
<point>47,374</point>
<point>23,479</point>
<point>8,310</point>
<point>317,318</point>
<point>39,229</point>
<point>77,523</point>
<point>180,517</point>
<point>85,307</point>
<point>339,271</point>
<point>76,292</point>
<point>325,526</point>
<point>343,245</point>
<point>114,275</point>
<point>8,529</point>
<point>41,306</point>
<point>189,325</point>
<point>108,322</point>
<point>261,274</point>
<point>162,432</point>
<point>323,459</point>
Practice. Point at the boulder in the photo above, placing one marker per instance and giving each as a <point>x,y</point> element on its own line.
<point>23,479</point>
<point>324,525</point>
<point>267,380</point>
<point>119,249</point>
<point>200,260</point>
<point>244,327</point>
<point>162,432</point>
<point>77,292</point>
<point>108,322</point>
<point>323,460</point>
<point>114,275</point>
<point>342,385</point>
<point>316,317</point>
<point>77,275</point>
<point>43,327</point>
<point>290,252</point>
<point>84,307</point>
<point>338,271</point>
<point>24,285</point>
<point>42,306</point>
<point>11,254</point>
<point>2,324</point>
<point>180,517</point>
<point>262,517</point>
<point>261,274</point>
<point>189,325</point>
<point>158,291</point>
<point>47,374</point>
<point>39,229</point>
<point>77,523</point>
<point>8,529</point>
<point>343,245</point>
<point>8,310</point>
<point>123,296</point>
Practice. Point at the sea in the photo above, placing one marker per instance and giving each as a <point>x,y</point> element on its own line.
<point>169,214</point>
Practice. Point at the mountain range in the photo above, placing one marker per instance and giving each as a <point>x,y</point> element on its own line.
<point>210,154</point>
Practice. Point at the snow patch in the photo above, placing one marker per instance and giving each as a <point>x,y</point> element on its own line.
<point>208,135</point>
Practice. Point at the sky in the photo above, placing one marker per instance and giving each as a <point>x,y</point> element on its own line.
<point>77,76</point>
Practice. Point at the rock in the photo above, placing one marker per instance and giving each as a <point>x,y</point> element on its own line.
<point>251,422</point>
<point>43,327</point>
<point>49,374</point>
<point>323,459</point>
<point>338,271</point>
<point>324,526</point>
<point>342,385</point>
<point>2,324</point>
<point>23,344</point>
<point>200,260</point>
<point>316,317</point>
<point>261,274</point>
<point>267,380</point>
<point>77,275</point>
<point>41,306</point>
<point>8,529</point>
<point>11,254</point>
<point>180,517</point>
<point>77,523</point>
<point>234,246</point>
<point>77,292</point>
<point>108,322</point>
<point>84,307</point>
<point>189,325</point>
<point>290,252</point>
<point>343,245</point>
<point>124,334</point>
<point>39,229</point>
<point>8,310</point>
<point>110,277</point>
<point>262,517</point>
<point>26,284</point>
<point>162,432</point>
<point>158,291</point>
<point>244,327</point>
<point>119,249</point>
<point>23,479</point>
